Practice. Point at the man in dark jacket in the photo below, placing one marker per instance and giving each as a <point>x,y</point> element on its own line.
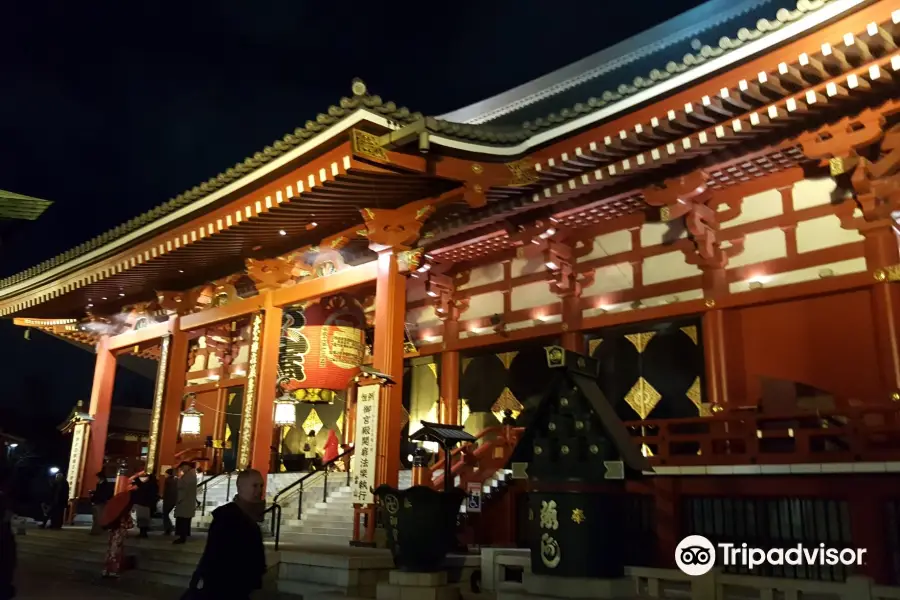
<point>7,543</point>
<point>99,497</point>
<point>234,560</point>
<point>59,501</point>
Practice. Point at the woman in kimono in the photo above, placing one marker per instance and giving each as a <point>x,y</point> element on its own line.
<point>117,519</point>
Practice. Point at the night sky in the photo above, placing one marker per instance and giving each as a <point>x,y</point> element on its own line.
<point>111,111</point>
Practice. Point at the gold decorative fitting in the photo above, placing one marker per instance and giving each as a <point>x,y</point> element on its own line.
<point>538,450</point>
<point>895,396</point>
<point>836,166</point>
<point>358,87</point>
<point>665,214</point>
<point>507,358</point>
<point>642,398</point>
<point>366,144</point>
<point>640,340</point>
<point>891,273</point>
<point>477,169</point>
<point>710,303</point>
<point>565,326</point>
<point>523,173</point>
<point>159,393</point>
<point>695,394</point>
<point>564,449</point>
<point>592,345</point>
<point>563,401</point>
<point>691,332</point>
<point>594,449</point>
<point>551,426</point>
<point>579,425</point>
<point>717,408</point>
<point>578,516</point>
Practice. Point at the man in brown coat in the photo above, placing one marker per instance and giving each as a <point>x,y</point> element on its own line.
<point>186,506</point>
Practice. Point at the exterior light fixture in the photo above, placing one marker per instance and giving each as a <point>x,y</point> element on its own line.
<point>54,470</point>
<point>191,418</point>
<point>285,411</point>
<point>282,232</point>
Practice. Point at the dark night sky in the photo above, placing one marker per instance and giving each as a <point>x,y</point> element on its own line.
<point>111,111</point>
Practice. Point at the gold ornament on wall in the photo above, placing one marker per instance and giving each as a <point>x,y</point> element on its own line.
<point>642,398</point>
<point>593,344</point>
<point>640,340</point>
<point>312,422</point>
<point>507,401</point>
<point>695,393</point>
<point>578,516</point>
<point>507,358</point>
<point>691,332</point>
<point>340,422</point>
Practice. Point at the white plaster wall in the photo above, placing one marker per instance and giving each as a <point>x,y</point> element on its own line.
<point>609,244</point>
<point>484,305</point>
<point>526,266</point>
<point>243,355</point>
<point>415,289</point>
<point>667,267</point>
<point>531,295</point>
<point>613,278</point>
<point>757,207</point>
<point>654,234</point>
<point>844,267</point>
<point>761,246</point>
<point>422,317</point>
<point>824,232</point>
<point>484,276</point>
<point>812,192</point>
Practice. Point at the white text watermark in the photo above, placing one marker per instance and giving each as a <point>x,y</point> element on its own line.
<point>695,555</point>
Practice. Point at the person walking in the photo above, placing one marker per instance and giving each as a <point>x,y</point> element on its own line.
<point>170,499</point>
<point>234,560</point>
<point>310,452</point>
<point>8,555</point>
<point>59,501</point>
<point>186,506</point>
<point>146,495</point>
<point>100,495</point>
<point>117,520</point>
<point>331,449</point>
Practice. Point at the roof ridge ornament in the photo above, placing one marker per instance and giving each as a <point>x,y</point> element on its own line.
<point>358,87</point>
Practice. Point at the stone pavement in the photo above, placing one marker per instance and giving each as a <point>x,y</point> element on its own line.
<point>35,582</point>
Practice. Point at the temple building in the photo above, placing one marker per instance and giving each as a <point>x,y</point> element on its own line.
<point>708,210</point>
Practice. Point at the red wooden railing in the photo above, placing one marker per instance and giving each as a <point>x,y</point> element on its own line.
<point>477,461</point>
<point>854,434</point>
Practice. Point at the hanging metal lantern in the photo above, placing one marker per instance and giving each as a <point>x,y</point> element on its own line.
<point>322,348</point>
<point>285,411</point>
<point>191,417</point>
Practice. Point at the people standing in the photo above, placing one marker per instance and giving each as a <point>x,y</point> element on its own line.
<point>146,495</point>
<point>8,553</point>
<point>186,506</point>
<point>234,560</point>
<point>309,451</point>
<point>59,501</point>
<point>100,495</point>
<point>170,499</point>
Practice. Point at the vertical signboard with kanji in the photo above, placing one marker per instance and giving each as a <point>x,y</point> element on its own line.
<point>367,398</point>
<point>80,433</point>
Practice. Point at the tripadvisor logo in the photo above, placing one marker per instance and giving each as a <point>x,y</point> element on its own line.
<point>695,555</point>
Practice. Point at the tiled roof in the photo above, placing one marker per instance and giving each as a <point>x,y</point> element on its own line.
<point>361,100</point>
<point>20,207</point>
<point>642,68</point>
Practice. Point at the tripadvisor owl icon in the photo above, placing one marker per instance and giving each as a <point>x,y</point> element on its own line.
<point>695,555</point>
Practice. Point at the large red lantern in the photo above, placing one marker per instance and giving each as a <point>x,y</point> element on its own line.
<point>322,347</point>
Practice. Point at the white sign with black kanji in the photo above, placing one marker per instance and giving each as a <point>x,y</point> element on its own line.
<point>366,442</point>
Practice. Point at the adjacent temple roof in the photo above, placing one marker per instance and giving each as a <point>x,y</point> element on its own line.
<point>638,63</point>
<point>20,207</point>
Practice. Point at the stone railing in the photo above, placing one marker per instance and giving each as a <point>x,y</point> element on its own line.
<point>505,571</point>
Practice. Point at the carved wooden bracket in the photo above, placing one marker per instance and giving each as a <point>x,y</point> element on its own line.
<point>865,152</point>
<point>560,261</point>
<point>441,292</point>
<point>689,197</point>
<point>269,274</point>
<point>394,228</point>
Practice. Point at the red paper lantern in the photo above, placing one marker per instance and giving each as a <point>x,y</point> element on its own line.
<point>322,345</point>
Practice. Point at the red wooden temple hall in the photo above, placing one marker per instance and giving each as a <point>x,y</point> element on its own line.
<point>713,217</point>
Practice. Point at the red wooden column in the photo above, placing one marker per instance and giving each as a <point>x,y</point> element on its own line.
<point>572,338</point>
<point>714,345</point>
<point>390,315</point>
<point>258,419</point>
<point>349,433</point>
<point>883,258</point>
<point>101,404</point>
<point>449,394</point>
<point>170,420</point>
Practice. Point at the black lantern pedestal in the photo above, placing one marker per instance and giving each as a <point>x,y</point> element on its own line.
<point>576,455</point>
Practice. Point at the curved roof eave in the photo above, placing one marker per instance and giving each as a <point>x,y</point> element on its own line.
<point>686,25</point>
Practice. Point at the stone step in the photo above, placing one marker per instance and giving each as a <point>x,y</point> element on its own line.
<point>344,531</point>
<point>315,538</point>
<point>319,520</point>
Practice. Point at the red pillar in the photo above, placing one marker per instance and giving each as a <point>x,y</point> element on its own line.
<point>449,394</point>
<point>572,338</point>
<point>101,403</point>
<point>349,432</point>
<point>882,252</point>
<point>390,314</point>
<point>263,420</point>
<point>170,421</point>
<point>715,285</point>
